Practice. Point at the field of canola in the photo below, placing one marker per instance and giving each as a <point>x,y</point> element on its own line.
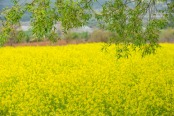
<point>77,80</point>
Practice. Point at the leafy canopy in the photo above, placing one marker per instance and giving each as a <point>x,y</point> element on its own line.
<point>135,22</point>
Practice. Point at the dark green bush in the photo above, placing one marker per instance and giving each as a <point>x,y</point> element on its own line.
<point>20,36</point>
<point>17,36</point>
<point>53,37</point>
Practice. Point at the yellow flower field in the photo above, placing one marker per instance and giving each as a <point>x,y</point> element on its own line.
<point>78,80</point>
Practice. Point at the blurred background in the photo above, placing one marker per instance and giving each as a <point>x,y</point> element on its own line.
<point>88,33</point>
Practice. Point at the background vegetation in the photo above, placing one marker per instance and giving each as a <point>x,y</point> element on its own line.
<point>134,22</point>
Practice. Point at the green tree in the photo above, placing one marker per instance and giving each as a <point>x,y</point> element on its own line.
<point>134,21</point>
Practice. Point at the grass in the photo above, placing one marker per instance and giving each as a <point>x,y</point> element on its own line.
<point>82,80</point>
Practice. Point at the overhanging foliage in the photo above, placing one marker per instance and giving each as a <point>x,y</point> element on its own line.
<point>135,21</point>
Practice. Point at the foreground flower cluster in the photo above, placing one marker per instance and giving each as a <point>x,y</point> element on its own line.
<point>83,80</point>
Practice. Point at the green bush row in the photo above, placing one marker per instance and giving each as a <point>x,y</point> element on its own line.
<point>166,35</point>
<point>95,36</point>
